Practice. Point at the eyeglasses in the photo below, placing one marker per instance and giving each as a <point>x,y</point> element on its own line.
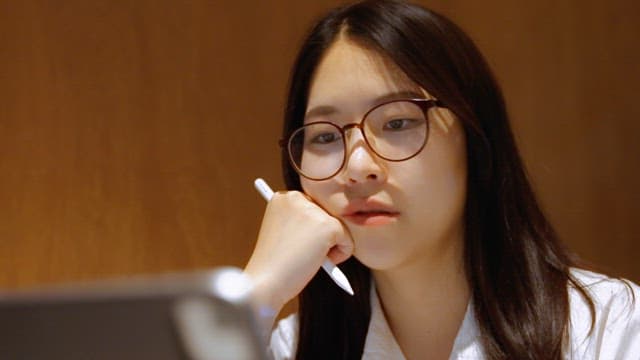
<point>396,130</point>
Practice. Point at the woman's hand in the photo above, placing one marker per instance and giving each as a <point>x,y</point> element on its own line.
<point>295,238</point>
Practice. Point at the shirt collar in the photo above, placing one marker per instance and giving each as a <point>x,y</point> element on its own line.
<point>381,344</point>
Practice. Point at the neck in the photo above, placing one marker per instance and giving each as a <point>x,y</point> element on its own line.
<point>425,302</point>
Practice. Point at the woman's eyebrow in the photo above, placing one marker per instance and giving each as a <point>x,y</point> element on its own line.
<point>397,95</point>
<point>323,110</point>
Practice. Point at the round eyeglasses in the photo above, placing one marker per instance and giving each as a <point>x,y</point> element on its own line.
<point>396,130</point>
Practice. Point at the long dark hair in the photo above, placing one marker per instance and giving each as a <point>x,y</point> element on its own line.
<point>518,272</point>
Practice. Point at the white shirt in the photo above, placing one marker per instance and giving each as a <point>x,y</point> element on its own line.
<point>615,335</point>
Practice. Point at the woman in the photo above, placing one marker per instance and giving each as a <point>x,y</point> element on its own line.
<point>401,165</point>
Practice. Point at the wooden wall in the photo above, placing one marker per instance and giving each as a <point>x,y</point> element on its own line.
<point>131,131</point>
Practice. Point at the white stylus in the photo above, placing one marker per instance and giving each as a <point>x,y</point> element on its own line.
<point>328,266</point>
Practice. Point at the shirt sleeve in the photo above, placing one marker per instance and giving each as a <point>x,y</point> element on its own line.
<point>620,333</point>
<point>283,338</point>
<point>616,330</point>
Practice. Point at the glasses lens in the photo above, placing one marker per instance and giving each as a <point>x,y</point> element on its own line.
<point>317,150</point>
<point>397,130</point>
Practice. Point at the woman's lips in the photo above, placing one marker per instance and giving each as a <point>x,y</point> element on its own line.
<point>369,212</point>
<point>371,218</point>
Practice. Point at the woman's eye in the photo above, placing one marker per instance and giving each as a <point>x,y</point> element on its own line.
<point>325,138</point>
<point>399,124</point>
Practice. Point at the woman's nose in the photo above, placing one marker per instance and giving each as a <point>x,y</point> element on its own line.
<point>362,165</point>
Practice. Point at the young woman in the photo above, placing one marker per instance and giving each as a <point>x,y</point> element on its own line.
<point>400,164</point>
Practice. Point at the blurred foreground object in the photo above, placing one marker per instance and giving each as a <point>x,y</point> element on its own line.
<point>203,315</point>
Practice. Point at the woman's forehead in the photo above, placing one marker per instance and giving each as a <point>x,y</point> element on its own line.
<point>350,75</point>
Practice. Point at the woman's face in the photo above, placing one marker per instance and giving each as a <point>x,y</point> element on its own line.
<point>398,213</point>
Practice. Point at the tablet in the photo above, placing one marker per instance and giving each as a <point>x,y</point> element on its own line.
<point>204,315</point>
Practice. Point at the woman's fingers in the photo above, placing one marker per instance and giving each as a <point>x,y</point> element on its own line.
<point>295,238</point>
<point>343,249</point>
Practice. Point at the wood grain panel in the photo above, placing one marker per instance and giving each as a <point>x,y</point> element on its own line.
<point>131,131</point>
